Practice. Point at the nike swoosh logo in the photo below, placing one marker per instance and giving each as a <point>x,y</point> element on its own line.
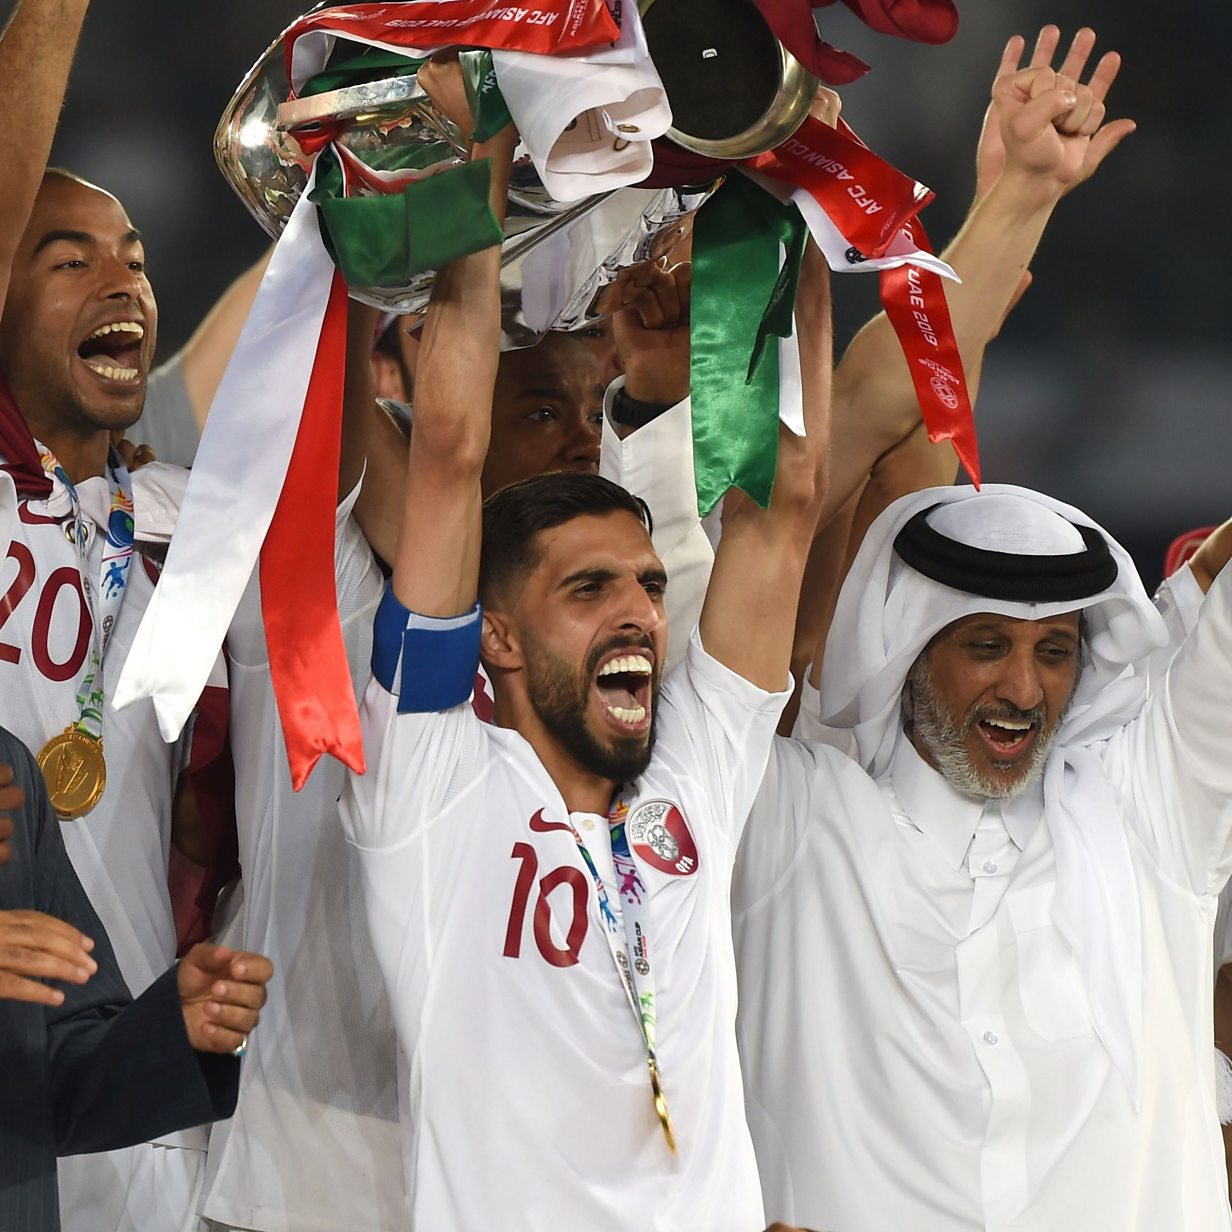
<point>540,826</point>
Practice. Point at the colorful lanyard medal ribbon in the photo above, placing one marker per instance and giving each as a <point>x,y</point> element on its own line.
<point>72,762</point>
<point>625,927</point>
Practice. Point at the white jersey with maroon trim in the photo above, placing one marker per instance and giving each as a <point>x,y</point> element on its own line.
<point>314,1144</point>
<point>527,1091</point>
<point>120,849</point>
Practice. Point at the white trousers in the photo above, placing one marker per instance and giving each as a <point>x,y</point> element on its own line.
<point>144,1188</point>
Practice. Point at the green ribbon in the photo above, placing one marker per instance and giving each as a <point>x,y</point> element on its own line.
<point>742,295</point>
<point>487,102</point>
<point>371,64</point>
<point>385,240</point>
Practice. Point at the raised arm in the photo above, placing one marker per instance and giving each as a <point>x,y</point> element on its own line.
<point>749,616</point>
<point>1211,558</point>
<point>436,566</point>
<point>36,53</point>
<point>1044,133</point>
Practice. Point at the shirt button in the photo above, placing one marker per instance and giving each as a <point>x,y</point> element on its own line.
<point>989,866</point>
<point>990,1038</point>
<point>588,824</point>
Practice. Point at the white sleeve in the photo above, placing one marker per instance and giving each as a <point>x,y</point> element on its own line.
<point>1174,756</point>
<point>725,725</point>
<point>1179,599</point>
<point>417,763</point>
<point>588,120</point>
<point>656,463</point>
<point>776,824</point>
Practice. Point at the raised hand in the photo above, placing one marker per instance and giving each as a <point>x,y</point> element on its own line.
<point>1046,124</point>
<point>222,992</point>
<point>35,947</point>
<point>650,303</point>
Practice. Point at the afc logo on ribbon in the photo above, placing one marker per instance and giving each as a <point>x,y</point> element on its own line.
<point>659,835</point>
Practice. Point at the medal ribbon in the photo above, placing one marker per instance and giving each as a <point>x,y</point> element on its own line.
<point>113,577</point>
<point>625,928</point>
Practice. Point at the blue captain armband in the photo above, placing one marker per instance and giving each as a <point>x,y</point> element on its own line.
<point>427,662</point>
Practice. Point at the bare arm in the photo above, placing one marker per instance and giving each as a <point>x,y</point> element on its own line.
<point>36,53</point>
<point>749,615</point>
<point>1043,135</point>
<point>359,396</point>
<point>208,351</point>
<point>436,566</point>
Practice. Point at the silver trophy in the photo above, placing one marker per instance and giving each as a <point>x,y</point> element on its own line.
<point>735,91</point>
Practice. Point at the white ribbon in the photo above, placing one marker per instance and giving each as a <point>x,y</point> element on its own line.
<point>835,245</point>
<point>236,481</point>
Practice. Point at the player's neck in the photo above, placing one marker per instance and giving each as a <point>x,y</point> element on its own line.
<point>83,455</point>
<point>582,790</point>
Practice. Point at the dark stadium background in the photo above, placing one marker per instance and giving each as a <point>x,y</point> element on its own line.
<point>1112,384</point>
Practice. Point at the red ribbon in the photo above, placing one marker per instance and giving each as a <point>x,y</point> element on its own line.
<point>872,203</point>
<point>914,301</point>
<point>794,27</point>
<point>867,199</point>
<point>922,21</point>
<point>299,601</point>
<point>552,27</point>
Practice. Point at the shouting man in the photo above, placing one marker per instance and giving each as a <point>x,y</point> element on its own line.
<point>548,895</point>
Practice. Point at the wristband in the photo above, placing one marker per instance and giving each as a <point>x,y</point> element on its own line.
<point>632,413</point>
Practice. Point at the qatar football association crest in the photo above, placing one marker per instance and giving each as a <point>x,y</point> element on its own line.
<point>659,836</point>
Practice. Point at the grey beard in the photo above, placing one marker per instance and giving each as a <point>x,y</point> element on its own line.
<point>946,740</point>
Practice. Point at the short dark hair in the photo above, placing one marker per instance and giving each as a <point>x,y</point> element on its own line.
<point>514,517</point>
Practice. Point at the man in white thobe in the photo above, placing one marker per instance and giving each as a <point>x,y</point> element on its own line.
<point>975,959</point>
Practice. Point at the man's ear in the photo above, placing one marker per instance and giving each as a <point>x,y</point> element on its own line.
<point>499,646</point>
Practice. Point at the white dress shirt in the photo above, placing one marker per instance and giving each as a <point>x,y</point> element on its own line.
<point>918,1045</point>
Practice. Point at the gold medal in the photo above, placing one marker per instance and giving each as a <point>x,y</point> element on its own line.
<point>76,774</point>
<point>660,1103</point>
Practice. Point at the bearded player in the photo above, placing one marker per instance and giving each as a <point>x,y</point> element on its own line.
<point>77,334</point>
<point>513,871</point>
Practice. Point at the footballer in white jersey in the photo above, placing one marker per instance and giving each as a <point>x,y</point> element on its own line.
<point>548,896</point>
<point>76,339</point>
<point>314,1140</point>
<point>527,1074</point>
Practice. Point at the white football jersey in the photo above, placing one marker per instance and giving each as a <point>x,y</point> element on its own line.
<point>528,1099</point>
<point>120,849</point>
<point>314,1143</point>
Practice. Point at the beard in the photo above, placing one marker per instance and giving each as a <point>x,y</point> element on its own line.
<point>946,740</point>
<point>560,696</point>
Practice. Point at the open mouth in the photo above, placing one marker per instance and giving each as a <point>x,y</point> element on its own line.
<point>113,352</point>
<point>1006,739</point>
<point>623,686</point>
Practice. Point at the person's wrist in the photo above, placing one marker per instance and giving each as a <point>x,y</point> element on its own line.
<point>632,413</point>
<point>1023,191</point>
<point>656,383</point>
